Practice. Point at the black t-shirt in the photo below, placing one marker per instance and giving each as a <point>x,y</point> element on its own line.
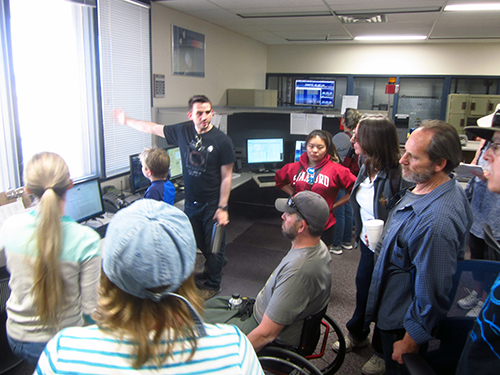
<point>202,157</point>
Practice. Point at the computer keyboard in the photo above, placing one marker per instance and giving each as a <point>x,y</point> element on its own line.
<point>266,178</point>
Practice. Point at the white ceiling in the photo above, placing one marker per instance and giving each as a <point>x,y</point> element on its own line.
<point>403,17</point>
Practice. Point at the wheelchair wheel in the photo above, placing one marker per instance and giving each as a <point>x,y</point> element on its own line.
<point>280,361</point>
<point>324,358</point>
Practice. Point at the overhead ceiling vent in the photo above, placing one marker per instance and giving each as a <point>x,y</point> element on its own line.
<point>363,18</point>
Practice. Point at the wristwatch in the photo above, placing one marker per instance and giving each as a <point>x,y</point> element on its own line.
<point>223,208</point>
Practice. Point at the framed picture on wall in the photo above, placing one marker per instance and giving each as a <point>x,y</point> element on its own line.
<point>188,52</point>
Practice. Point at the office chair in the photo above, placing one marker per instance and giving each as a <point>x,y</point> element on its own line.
<point>318,333</point>
<point>7,359</point>
<point>452,333</point>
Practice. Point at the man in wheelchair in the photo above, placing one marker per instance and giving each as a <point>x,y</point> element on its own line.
<point>298,288</point>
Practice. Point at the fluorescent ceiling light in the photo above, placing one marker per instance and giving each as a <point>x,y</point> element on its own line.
<point>391,37</point>
<point>471,7</point>
<point>285,14</point>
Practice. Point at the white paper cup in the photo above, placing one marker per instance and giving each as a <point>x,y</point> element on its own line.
<point>374,230</point>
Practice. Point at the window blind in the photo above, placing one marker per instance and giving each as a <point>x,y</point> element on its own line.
<point>124,45</point>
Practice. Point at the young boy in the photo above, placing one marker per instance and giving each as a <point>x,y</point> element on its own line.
<point>155,165</point>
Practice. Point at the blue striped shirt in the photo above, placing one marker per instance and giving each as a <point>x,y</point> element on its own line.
<point>91,350</point>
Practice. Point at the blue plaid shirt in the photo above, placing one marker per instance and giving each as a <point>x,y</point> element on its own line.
<point>412,277</point>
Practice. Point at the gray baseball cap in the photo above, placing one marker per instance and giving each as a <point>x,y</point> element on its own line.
<point>311,206</point>
<point>149,245</point>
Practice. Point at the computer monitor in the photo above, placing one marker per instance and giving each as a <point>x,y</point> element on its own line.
<point>265,152</point>
<point>175,162</point>
<point>300,148</point>
<point>84,200</point>
<point>314,93</point>
<point>138,182</point>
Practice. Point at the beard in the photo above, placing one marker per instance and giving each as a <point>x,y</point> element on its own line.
<point>417,177</point>
<point>290,233</point>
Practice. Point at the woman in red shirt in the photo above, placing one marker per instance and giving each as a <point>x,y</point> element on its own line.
<point>318,170</point>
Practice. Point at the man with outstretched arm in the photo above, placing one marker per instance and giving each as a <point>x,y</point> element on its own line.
<point>207,162</point>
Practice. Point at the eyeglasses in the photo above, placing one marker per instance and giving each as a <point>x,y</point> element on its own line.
<point>292,204</point>
<point>354,138</point>
<point>495,146</point>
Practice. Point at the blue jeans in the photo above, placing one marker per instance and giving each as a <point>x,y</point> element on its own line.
<point>344,222</point>
<point>29,351</point>
<point>356,325</point>
<point>201,217</point>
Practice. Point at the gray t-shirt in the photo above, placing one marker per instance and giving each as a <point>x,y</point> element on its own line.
<point>342,141</point>
<point>298,287</point>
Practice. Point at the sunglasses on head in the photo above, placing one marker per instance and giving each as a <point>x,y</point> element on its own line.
<point>292,204</point>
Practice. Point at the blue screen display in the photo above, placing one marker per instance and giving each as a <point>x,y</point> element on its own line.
<point>317,93</point>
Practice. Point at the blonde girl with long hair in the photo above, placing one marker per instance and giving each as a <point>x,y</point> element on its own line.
<point>54,262</point>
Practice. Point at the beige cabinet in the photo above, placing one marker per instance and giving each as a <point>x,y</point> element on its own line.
<point>252,98</point>
<point>464,108</point>
<point>479,105</point>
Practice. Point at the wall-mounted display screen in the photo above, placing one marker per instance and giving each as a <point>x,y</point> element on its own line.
<point>314,93</point>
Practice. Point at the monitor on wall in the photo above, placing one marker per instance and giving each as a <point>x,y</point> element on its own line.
<point>314,93</point>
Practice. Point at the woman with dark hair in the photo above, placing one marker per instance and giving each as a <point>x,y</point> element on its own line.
<point>318,170</point>
<point>376,139</point>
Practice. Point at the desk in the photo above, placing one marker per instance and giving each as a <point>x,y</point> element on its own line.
<point>239,179</point>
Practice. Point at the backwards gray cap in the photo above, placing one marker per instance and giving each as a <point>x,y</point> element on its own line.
<point>311,206</point>
<point>149,244</point>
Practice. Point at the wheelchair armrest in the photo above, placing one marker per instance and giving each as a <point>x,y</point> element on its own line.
<point>416,365</point>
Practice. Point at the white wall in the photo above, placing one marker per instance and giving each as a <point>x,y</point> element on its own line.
<point>231,60</point>
<point>390,59</point>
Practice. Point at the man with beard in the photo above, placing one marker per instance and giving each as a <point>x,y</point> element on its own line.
<point>299,287</point>
<point>423,238</point>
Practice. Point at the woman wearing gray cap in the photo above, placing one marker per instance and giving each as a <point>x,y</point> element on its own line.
<point>148,309</point>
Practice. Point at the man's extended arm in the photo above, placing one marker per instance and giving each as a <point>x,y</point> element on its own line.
<point>226,171</point>
<point>143,126</point>
<point>265,333</point>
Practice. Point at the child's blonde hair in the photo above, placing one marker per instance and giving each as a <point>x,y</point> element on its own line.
<point>156,160</point>
<point>47,177</point>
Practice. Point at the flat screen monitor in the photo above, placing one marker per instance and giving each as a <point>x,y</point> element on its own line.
<point>265,151</point>
<point>175,162</point>
<point>84,200</point>
<point>300,148</point>
<point>314,93</point>
<point>138,182</point>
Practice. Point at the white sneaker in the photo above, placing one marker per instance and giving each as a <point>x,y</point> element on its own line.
<point>347,246</point>
<point>350,343</point>
<point>474,312</point>
<point>374,366</point>
<point>335,250</point>
<point>469,302</point>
